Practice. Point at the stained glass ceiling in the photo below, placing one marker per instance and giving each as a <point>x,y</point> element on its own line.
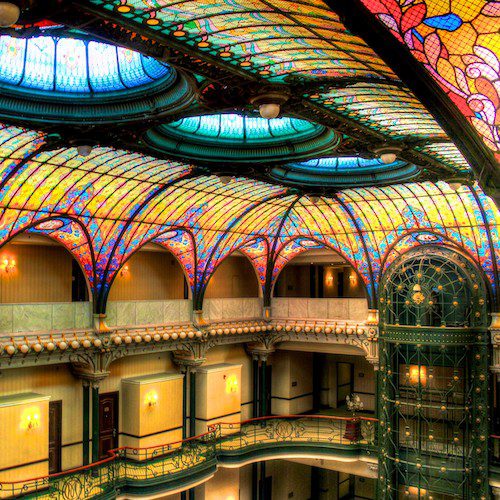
<point>341,172</point>
<point>109,204</point>
<point>74,66</point>
<point>241,138</point>
<point>458,44</point>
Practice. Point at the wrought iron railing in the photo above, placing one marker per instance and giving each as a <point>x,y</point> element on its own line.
<point>181,461</point>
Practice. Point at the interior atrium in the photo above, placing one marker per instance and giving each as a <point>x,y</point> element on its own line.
<point>249,249</point>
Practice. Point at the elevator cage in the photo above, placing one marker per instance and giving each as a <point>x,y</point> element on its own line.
<point>433,380</point>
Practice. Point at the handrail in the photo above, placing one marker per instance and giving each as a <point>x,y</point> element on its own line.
<point>210,438</point>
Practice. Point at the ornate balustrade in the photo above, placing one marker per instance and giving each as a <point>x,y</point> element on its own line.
<point>73,346</point>
<point>178,465</point>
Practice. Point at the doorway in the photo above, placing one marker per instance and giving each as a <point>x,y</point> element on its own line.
<point>55,432</point>
<point>108,423</point>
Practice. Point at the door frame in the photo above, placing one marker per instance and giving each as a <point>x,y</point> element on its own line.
<point>116,396</point>
<point>58,410</point>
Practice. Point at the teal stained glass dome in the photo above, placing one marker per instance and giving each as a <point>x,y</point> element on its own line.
<point>345,171</point>
<point>242,138</point>
<point>74,66</point>
<point>64,75</point>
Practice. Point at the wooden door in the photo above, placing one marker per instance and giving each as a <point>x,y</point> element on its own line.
<point>55,431</point>
<point>108,423</point>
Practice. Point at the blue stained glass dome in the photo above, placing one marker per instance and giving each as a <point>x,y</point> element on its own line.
<point>344,171</point>
<point>74,66</point>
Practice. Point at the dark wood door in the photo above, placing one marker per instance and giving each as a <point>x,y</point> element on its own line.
<point>55,431</point>
<point>108,423</point>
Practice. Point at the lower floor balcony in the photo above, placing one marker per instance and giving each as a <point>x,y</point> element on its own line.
<point>181,465</point>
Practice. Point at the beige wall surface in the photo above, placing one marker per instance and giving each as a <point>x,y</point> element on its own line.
<point>295,281</point>
<point>224,485</point>
<point>151,276</point>
<point>42,274</point>
<point>24,437</point>
<point>292,382</point>
<point>363,381</point>
<point>236,354</point>
<point>235,277</point>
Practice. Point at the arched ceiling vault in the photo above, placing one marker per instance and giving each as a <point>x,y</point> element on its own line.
<point>122,200</point>
<point>336,77</point>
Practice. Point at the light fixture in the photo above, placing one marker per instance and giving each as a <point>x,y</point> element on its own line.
<point>314,200</point>
<point>353,278</point>
<point>329,280</point>
<point>151,399</point>
<point>387,154</point>
<point>30,419</point>
<point>9,14</point>
<point>231,383</point>
<point>269,110</point>
<point>418,375</point>
<point>8,265</point>
<point>84,149</point>
<point>270,102</point>
<point>124,271</point>
<point>225,179</point>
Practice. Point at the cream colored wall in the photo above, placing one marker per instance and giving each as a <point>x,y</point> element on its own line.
<point>58,382</point>
<point>224,485</point>
<point>364,379</point>
<point>22,446</point>
<point>292,382</point>
<point>235,277</point>
<point>236,354</point>
<point>290,480</point>
<point>216,400</point>
<point>151,276</point>
<point>42,274</point>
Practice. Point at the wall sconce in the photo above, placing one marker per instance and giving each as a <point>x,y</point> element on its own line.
<point>151,399</point>
<point>124,271</point>
<point>231,383</point>
<point>415,491</point>
<point>418,375</point>
<point>30,419</point>
<point>353,279</point>
<point>329,280</point>
<point>8,265</point>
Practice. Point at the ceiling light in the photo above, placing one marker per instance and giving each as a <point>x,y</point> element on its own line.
<point>84,149</point>
<point>9,14</point>
<point>387,154</point>
<point>314,200</point>
<point>270,110</point>
<point>225,179</point>
<point>269,102</point>
<point>455,186</point>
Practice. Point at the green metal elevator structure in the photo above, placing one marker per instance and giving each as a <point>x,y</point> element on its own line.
<point>433,381</point>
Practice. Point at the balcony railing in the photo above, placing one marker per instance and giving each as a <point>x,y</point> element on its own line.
<point>160,468</point>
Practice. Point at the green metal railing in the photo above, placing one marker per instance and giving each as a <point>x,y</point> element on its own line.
<point>185,462</point>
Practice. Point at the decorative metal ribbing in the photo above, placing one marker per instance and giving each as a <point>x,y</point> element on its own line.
<point>433,388</point>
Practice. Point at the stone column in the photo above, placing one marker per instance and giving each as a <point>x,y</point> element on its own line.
<point>188,363</point>
<point>260,353</point>
<point>90,380</point>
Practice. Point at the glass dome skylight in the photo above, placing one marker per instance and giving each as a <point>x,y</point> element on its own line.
<point>231,127</point>
<point>344,171</point>
<point>240,138</point>
<point>74,66</point>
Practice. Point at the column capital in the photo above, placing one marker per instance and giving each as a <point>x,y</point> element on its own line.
<point>89,379</point>
<point>198,319</point>
<point>100,325</point>
<point>259,350</point>
<point>373,317</point>
<point>186,360</point>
